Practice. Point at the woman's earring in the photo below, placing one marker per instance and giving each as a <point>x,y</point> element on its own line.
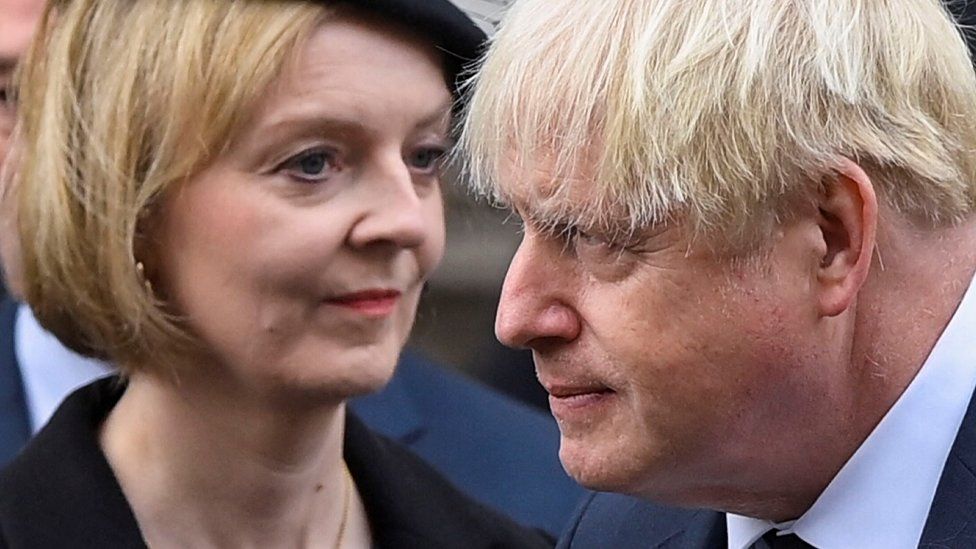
<point>141,272</point>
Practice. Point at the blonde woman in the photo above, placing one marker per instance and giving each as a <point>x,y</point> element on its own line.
<point>237,202</point>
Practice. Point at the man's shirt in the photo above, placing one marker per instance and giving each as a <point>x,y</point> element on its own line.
<point>882,495</point>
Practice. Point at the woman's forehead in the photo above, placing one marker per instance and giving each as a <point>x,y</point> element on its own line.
<point>350,75</point>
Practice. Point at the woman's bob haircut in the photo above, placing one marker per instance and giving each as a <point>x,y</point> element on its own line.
<point>118,102</point>
<point>721,113</point>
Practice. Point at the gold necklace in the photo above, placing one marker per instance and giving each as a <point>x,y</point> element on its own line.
<point>347,495</point>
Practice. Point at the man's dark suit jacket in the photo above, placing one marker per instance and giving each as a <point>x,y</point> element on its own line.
<point>61,492</point>
<point>494,449</point>
<point>621,522</point>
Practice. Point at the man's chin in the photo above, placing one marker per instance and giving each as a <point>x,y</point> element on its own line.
<point>602,467</point>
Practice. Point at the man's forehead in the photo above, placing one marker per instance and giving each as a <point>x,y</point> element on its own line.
<point>538,191</point>
<point>18,19</point>
<point>547,199</point>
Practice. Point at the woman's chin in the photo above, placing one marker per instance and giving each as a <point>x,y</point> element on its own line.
<point>337,383</point>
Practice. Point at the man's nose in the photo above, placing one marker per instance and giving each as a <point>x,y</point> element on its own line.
<point>536,309</point>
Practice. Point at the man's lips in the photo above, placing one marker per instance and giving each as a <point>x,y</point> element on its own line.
<point>570,391</point>
<point>578,401</point>
<point>373,302</point>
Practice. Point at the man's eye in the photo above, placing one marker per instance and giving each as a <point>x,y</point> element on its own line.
<point>580,242</point>
<point>427,159</point>
<point>593,241</point>
<point>311,166</point>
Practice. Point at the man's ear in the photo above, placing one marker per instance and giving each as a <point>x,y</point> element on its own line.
<point>848,224</point>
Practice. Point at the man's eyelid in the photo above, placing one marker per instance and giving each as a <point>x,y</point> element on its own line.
<point>574,234</point>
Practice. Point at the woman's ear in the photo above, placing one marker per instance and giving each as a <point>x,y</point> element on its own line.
<point>848,220</point>
<point>143,249</point>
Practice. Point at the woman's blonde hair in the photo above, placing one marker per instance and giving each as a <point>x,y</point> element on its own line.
<point>117,102</point>
<point>721,112</point>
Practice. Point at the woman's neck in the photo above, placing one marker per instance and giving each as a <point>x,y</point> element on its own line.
<point>200,464</point>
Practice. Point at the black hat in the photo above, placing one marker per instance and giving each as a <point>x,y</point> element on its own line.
<point>443,23</point>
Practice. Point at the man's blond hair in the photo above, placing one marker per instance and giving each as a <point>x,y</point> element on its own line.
<point>720,112</point>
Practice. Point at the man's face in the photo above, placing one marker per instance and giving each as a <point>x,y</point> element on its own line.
<point>668,367</point>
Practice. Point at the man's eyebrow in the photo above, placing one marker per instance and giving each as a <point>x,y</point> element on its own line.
<point>550,223</point>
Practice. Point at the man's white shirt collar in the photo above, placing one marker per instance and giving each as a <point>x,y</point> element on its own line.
<point>882,496</point>
<point>48,369</point>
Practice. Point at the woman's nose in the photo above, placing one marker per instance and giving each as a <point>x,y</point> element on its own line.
<point>399,214</point>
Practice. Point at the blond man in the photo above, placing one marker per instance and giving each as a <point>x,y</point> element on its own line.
<point>747,263</point>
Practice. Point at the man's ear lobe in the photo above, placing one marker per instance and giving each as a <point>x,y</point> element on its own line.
<point>848,224</point>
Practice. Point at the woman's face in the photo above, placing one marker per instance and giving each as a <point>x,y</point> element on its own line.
<point>298,256</point>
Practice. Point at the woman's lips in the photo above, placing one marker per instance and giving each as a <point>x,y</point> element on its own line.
<point>372,303</point>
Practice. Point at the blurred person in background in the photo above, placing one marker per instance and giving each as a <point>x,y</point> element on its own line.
<point>17,21</point>
<point>248,252</point>
<point>747,267</point>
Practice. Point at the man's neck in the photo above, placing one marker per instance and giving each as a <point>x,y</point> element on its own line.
<point>917,281</point>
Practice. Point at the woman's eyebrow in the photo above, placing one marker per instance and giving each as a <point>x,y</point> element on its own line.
<point>309,121</point>
<point>301,124</point>
<point>440,115</point>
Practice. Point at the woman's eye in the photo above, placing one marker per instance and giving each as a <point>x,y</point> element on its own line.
<point>428,159</point>
<point>311,166</point>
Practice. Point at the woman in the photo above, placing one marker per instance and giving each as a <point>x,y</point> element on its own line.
<point>238,203</point>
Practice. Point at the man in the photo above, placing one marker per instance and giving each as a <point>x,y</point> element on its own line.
<point>746,272</point>
<point>496,450</point>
